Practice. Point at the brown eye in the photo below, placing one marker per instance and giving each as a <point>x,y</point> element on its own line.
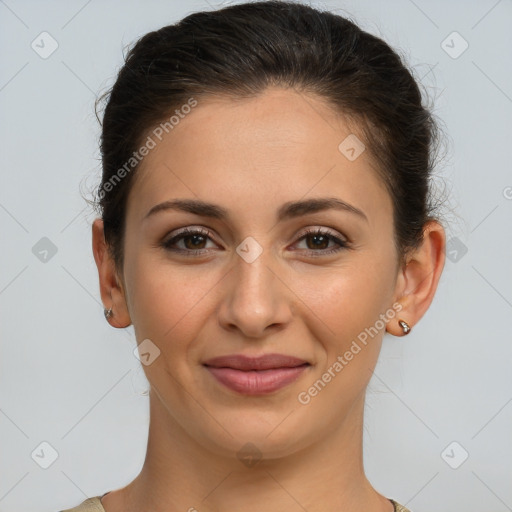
<point>193,240</point>
<point>318,240</point>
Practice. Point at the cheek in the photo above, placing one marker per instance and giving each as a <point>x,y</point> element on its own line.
<point>347,300</point>
<point>168,308</point>
<point>168,302</point>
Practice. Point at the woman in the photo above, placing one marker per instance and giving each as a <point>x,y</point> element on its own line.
<point>265,218</point>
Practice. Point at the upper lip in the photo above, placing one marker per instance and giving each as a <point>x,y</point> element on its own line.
<point>264,362</point>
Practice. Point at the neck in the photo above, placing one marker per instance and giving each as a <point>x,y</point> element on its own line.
<point>179,474</point>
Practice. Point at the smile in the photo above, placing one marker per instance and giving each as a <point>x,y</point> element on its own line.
<point>256,375</point>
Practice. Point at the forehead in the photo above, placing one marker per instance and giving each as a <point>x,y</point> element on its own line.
<point>254,152</point>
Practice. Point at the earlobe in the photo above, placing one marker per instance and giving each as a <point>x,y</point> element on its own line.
<point>399,326</point>
<point>112,293</point>
<point>418,280</point>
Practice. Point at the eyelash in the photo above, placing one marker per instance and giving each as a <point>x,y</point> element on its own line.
<point>309,232</point>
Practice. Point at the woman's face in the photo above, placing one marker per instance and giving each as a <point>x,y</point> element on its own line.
<point>251,283</point>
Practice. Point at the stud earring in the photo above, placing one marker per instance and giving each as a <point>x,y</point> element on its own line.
<point>405,326</point>
<point>108,313</point>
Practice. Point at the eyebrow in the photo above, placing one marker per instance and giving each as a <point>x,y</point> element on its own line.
<point>288,210</point>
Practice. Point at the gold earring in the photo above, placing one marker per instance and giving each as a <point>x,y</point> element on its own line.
<point>405,326</point>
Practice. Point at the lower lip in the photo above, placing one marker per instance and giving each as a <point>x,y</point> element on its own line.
<point>256,382</point>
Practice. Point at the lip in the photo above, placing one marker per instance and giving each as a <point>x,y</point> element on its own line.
<point>263,362</point>
<point>256,375</point>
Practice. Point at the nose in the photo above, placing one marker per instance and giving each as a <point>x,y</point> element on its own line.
<point>256,298</point>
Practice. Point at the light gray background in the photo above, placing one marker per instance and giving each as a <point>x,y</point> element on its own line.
<point>70,379</point>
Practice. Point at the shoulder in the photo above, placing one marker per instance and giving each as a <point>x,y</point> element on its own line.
<point>89,505</point>
<point>398,507</point>
<point>94,505</point>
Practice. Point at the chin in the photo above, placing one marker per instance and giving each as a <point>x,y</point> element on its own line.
<point>259,435</point>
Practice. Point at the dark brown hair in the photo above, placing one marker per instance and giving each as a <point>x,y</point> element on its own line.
<point>242,49</point>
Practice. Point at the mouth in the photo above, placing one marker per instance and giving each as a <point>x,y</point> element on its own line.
<point>256,375</point>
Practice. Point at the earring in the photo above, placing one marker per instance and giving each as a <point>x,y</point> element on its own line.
<point>405,326</point>
<point>108,313</point>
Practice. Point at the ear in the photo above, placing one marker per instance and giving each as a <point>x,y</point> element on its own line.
<point>418,279</point>
<point>111,287</point>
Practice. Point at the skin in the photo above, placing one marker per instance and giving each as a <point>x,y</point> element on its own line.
<point>250,156</point>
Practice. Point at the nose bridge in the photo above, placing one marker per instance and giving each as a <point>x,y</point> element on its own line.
<point>256,297</point>
<point>253,275</point>
<point>254,284</point>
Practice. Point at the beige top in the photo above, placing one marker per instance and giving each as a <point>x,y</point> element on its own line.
<point>94,505</point>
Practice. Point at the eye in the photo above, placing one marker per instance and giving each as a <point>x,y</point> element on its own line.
<point>320,240</point>
<point>193,240</point>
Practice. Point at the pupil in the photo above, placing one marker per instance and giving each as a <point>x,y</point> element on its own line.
<point>197,239</point>
<point>322,238</point>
